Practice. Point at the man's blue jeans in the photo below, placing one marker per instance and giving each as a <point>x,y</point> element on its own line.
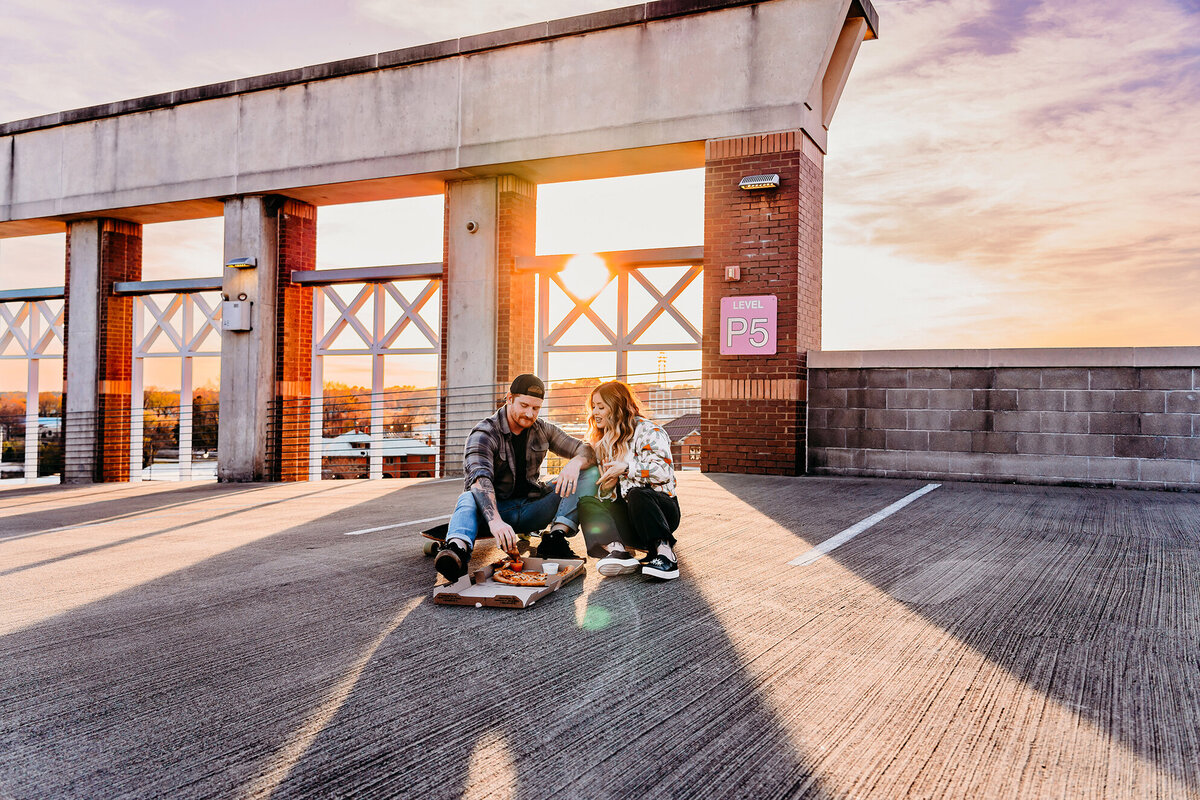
<point>525,515</point>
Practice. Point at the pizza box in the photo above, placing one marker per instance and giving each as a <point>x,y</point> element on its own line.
<point>479,589</point>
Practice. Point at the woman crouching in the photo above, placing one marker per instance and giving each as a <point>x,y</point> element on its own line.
<point>635,507</point>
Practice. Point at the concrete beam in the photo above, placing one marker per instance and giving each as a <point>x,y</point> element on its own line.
<point>624,91</point>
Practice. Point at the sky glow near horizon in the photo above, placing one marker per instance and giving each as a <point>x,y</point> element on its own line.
<point>1000,174</point>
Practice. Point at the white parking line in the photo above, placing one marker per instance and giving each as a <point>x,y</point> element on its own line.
<point>396,525</point>
<point>840,539</point>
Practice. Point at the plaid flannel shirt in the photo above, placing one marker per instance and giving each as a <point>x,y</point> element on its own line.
<point>489,452</point>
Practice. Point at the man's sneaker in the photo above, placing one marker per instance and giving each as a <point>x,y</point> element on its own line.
<point>452,560</point>
<point>617,562</point>
<point>661,567</point>
<point>554,545</point>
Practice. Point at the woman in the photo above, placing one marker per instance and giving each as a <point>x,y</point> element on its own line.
<point>635,507</point>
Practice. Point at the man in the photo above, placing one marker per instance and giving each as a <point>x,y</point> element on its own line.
<point>503,495</point>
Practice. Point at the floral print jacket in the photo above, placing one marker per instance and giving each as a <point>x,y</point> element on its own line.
<point>649,462</point>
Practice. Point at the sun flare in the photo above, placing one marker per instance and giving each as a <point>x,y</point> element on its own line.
<point>586,275</point>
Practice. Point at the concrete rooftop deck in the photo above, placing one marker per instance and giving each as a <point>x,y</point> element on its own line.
<point>232,641</point>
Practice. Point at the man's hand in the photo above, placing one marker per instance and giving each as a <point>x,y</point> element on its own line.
<point>506,537</point>
<point>485,500</point>
<point>613,471</point>
<point>568,479</point>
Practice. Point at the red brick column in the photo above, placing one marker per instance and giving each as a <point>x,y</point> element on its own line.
<point>753,407</point>
<point>515,325</point>
<point>293,340</point>
<point>120,259</point>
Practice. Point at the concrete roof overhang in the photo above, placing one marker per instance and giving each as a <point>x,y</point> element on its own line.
<point>625,91</point>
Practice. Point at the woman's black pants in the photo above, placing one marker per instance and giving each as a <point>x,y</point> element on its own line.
<point>639,520</point>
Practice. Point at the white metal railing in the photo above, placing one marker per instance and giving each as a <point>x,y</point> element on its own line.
<point>371,319</point>
<point>32,330</point>
<point>181,326</point>
<point>633,271</point>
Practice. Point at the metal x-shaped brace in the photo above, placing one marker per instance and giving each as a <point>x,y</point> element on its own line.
<point>583,306</point>
<point>665,303</point>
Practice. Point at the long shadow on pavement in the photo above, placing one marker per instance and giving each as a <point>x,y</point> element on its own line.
<point>246,673</point>
<point>1085,595</point>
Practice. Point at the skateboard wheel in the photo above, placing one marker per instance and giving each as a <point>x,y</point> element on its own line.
<point>431,548</point>
<point>479,605</point>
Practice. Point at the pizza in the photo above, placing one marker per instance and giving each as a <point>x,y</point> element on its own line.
<point>514,578</point>
<point>508,570</point>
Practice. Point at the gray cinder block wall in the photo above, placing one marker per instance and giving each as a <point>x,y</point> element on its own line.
<point>1095,416</point>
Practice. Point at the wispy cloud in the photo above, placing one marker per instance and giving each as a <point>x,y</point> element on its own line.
<point>1042,154</point>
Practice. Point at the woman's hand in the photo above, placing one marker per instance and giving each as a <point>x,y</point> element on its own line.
<point>613,471</point>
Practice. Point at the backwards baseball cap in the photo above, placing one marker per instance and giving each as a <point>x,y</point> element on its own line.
<point>528,384</point>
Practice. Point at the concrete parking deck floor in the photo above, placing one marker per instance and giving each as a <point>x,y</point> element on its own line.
<point>233,641</point>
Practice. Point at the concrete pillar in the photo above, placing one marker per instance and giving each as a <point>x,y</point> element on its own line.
<point>753,406</point>
<point>270,362</point>
<point>98,349</point>
<point>487,308</point>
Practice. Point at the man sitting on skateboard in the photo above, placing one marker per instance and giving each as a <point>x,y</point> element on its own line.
<point>501,463</point>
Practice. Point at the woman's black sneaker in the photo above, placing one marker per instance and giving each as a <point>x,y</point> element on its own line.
<point>661,567</point>
<point>452,560</point>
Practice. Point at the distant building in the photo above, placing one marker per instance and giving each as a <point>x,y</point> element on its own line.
<point>349,456</point>
<point>684,433</point>
<point>663,403</point>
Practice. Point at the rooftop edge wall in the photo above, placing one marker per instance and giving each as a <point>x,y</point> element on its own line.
<point>1127,417</point>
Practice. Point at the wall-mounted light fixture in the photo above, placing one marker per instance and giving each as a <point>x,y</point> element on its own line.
<point>759,182</point>
<point>242,263</point>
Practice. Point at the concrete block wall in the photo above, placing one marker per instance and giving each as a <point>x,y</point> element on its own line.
<point>1119,417</point>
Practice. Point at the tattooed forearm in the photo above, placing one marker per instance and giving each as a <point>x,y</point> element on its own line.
<point>485,498</point>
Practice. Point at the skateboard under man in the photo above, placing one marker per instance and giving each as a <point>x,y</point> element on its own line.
<point>437,539</point>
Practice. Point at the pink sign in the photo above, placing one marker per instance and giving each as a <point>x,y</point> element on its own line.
<point>748,325</point>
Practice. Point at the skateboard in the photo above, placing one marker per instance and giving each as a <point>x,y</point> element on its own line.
<point>437,539</point>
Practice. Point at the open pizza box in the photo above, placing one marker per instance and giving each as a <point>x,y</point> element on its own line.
<point>479,589</point>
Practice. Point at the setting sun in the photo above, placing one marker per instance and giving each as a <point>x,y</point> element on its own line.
<point>586,275</point>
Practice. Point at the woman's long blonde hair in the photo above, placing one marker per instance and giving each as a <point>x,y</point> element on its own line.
<point>624,408</point>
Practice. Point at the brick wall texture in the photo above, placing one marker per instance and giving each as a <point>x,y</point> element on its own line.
<point>297,248</point>
<point>1113,426</point>
<point>120,260</point>
<point>753,407</point>
<point>443,400</point>
<point>516,228</point>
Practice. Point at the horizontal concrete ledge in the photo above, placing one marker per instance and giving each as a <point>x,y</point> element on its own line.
<point>45,293</point>
<point>367,274</point>
<point>1014,357</point>
<point>182,285</point>
<point>616,259</point>
<point>569,26</point>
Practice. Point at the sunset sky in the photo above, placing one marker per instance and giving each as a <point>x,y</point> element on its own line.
<point>1000,174</point>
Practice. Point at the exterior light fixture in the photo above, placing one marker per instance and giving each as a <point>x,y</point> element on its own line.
<point>242,263</point>
<point>759,182</point>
